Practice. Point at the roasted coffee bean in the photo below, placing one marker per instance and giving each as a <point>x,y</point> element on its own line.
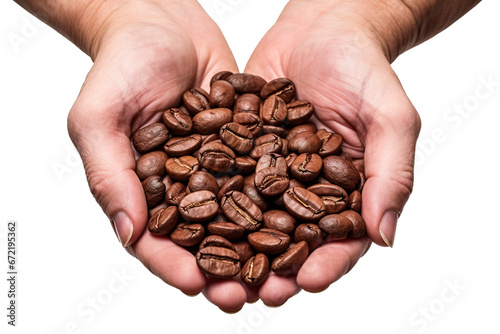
<point>228,230</point>
<point>247,103</point>
<point>273,111</point>
<point>359,164</point>
<point>234,183</point>
<point>289,262</point>
<point>150,137</point>
<point>222,75</point>
<point>279,220</point>
<point>305,142</point>
<point>341,172</point>
<point>216,241</point>
<point>295,183</point>
<point>246,83</point>
<point>251,121</point>
<point>330,143</point>
<point>284,150</point>
<point>222,94</point>
<point>175,193</point>
<point>271,160</point>
<point>269,241</point>
<point>253,193</point>
<point>277,130</point>
<point>359,225</point>
<point>199,206</point>
<point>177,122</point>
<point>271,181</point>
<point>152,163</point>
<point>184,110</point>
<point>303,204</point>
<point>240,209</point>
<point>306,167</point>
<point>290,158</point>
<point>336,225</point>
<point>299,112</point>
<point>163,221</point>
<point>182,168</point>
<point>269,143</point>
<point>237,137</point>
<point>216,157</point>
<point>334,197</point>
<point>354,201</point>
<point>310,233</point>
<point>362,180</point>
<point>244,164</point>
<point>211,120</point>
<point>244,250</point>
<point>205,139</point>
<point>203,181</point>
<point>306,127</point>
<point>221,179</point>
<point>154,189</point>
<point>153,210</point>
<point>218,261</point>
<point>179,146</point>
<point>196,100</point>
<point>282,87</point>
<point>187,235</point>
<point>255,270</point>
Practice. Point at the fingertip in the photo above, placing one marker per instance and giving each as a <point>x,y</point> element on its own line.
<point>227,294</point>
<point>276,290</point>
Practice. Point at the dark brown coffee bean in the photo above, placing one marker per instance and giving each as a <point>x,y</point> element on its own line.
<point>175,193</point>
<point>199,206</point>
<point>271,181</point>
<point>239,209</point>
<point>247,103</point>
<point>153,210</point>
<point>228,230</point>
<point>290,158</point>
<point>216,241</point>
<point>237,137</point>
<point>310,233</point>
<point>163,221</point>
<point>244,164</point>
<point>152,163</point>
<point>336,225</point>
<point>246,83</point>
<point>359,164</point>
<point>269,241</point>
<point>306,127</point>
<point>218,261</point>
<point>303,204</point>
<point>299,112</point>
<point>211,120</point>
<point>354,201</point>
<point>205,139</point>
<point>154,189</point>
<point>184,110</point>
<point>284,150</point>
<point>277,130</point>
<point>251,121</point>
<point>196,100</point>
<point>282,87</point>
<point>289,262</point>
<point>272,160</point>
<point>253,193</point>
<point>362,180</point>
<point>334,197</point>
<point>216,157</point>
<point>221,94</point>
<point>179,146</point>
<point>341,172</point>
<point>150,137</point>
<point>244,250</point>
<point>222,179</point>
<point>269,143</point>
<point>222,75</point>
<point>306,167</point>
<point>305,142</point>
<point>234,183</point>
<point>330,143</point>
<point>187,235</point>
<point>177,122</point>
<point>296,183</point>
<point>203,181</point>
<point>359,225</point>
<point>181,168</point>
<point>255,270</point>
<point>279,220</point>
<point>273,111</point>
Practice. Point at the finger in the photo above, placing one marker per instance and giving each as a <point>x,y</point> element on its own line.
<point>173,264</point>
<point>276,290</point>
<point>330,262</point>
<point>228,294</point>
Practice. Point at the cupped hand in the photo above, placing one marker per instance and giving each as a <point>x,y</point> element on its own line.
<point>340,65</point>
<point>145,56</point>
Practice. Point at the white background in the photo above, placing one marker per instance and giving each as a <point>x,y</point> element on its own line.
<point>447,236</point>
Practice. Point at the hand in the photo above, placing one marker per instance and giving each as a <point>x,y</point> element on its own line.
<point>145,57</point>
<point>342,68</point>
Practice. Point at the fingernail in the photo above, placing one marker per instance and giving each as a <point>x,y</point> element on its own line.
<point>123,227</point>
<point>387,227</point>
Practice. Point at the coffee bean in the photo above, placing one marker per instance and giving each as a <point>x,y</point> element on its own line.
<point>244,164</point>
<point>279,220</point>
<point>341,172</point>
<point>305,142</point>
<point>163,221</point>
<point>306,167</point>
<point>199,206</point>
<point>354,201</point>
<point>152,163</point>
<point>179,146</point>
<point>216,241</point>
<point>187,235</point>
<point>289,262</point>
<point>336,225</point>
<point>154,190</point>
<point>150,137</point>
<point>271,181</point>
<point>246,83</point>
<point>282,87</point>
<point>218,261</point>
<point>202,180</point>
<point>251,121</point>
<point>269,241</point>
<point>216,157</point>
<point>255,270</point>
<point>254,195</point>
<point>299,112</point>
<point>244,250</point>
<point>359,225</point>
<point>273,111</point>
<point>334,197</point>
<point>303,204</point>
<point>222,75</point>
<point>306,127</point>
<point>239,209</point>
<point>237,137</point>
<point>222,94</point>
<point>310,233</point>
<point>177,122</point>
<point>205,139</point>
<point>196,100</point>
<point>290,158</point>
<point>247,103</point>
<point>234,183</point>
<point>272,160</point>
<point>269,143</point>
<point>228,230</point>
<point>211,120</point>
<point>182,168</point>
<point>277,130</point>
<point>330,143</point>
<point>284,150</point>
<point>175,193</point>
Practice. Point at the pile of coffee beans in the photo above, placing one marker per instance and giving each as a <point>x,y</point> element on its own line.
<point>240,177</point>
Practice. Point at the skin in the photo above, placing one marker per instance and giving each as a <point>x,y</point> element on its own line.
<point>146,54</point>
